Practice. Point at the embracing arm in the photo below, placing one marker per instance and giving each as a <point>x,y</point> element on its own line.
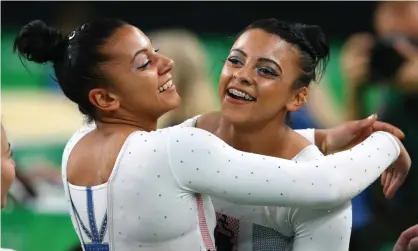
<point>322,230</point>
<point>203,163</point>
<point>314,136</point>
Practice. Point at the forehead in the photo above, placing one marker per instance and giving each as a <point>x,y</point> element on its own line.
<point>258,43</point>
<point>126,42</point>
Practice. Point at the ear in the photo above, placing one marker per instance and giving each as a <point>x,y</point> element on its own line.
<point>104,100</point>
<point>299,98</point>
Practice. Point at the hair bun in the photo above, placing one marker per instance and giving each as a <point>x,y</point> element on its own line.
<point>315,37</point>
<point>40,43</point>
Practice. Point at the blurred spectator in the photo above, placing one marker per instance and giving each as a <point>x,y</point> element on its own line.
<point>69,20</point>
<point>7,167</point>
<point>7,170</point>
<point>380,72</point>
<point>190,74</point>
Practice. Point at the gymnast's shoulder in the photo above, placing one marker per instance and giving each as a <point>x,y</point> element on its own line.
<point>209,121</point>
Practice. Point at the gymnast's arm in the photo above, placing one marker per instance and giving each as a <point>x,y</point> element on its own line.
<point>203,163</point>
<point>322,230</point>
<point>309,134</point>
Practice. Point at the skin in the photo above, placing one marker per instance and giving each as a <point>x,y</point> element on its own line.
<point>266,67</point>
<point>7,167</point>
<point>408,240</point>
<point>131,103</point>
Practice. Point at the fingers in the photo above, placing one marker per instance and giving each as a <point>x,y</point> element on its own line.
<point>394,184</point>
<point>386,127</point>
<point>358,125</point>
<point>406,50</point>
<point>361,42</point>
<point>387,181</point>
<point>408,240</point>
<point>383,178</point>
<point>355,58</point>
<point>413,244</point>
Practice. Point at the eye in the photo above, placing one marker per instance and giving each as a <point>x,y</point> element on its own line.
<point>234,60</point>
<point>156,50</point>
<point>144,66</point>
<point>268,71</point>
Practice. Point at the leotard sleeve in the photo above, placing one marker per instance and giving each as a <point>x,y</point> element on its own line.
<point>203,163</point>
<point>309,133</point>
<point>321,230</point>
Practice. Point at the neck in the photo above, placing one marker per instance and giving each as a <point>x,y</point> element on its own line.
<point>265,138</point>
<point>143,123</point>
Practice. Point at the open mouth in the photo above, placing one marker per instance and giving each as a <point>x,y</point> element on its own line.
<point>240,95</point>
<point>168,85</point>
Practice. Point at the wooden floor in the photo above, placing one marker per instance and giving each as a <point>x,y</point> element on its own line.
<point>30,117</point>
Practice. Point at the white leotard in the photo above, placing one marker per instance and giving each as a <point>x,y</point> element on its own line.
<point>151,200</point>
<point>250,228</point>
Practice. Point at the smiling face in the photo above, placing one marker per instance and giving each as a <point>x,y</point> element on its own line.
<point>257,80</point>
<point>140,77</point>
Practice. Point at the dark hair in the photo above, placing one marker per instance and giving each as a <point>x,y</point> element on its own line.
<point>76,57</point>
<point>309,39</point>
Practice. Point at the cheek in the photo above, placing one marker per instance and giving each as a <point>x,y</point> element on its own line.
<point>141,88</point>
<point>274,95</point>
<point>224,79</point>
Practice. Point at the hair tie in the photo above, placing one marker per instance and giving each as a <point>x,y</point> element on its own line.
<point>72,35</point>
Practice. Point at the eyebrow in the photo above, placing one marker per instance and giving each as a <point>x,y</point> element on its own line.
<point>261,59</point>
<point>137,53</point>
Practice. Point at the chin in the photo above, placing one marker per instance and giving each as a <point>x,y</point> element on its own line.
<point>171,103</point>
<point>235,117</point>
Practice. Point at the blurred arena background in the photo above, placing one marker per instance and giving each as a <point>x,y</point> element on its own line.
<point>198,35</point>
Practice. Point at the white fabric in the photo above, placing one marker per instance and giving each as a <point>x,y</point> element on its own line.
<point>250,228</point>
<point>151,197</point>
<point>308,134</point>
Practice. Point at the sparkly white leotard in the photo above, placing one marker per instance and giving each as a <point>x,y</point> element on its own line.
<point>152,199</point>
<point>250,228</point>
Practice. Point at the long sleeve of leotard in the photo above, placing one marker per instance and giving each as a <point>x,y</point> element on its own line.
<point>203,163</point>
<point>321,230</point>
<point>308,134</point>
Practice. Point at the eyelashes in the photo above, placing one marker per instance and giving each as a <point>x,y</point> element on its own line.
<point>264,70</point>
<point>144,66</point>
<point>148,63</point>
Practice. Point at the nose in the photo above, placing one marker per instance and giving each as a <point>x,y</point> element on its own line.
<point>166,65</point>
<point>243,76</point>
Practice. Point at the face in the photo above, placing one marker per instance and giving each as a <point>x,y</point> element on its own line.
<point>7,167</point>
<point>397,17</point>
<point>257,80</point>
<point>141,77</point>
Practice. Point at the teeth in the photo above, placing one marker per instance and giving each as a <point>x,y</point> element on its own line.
<point>164,87</point>
<point>240,94</point>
